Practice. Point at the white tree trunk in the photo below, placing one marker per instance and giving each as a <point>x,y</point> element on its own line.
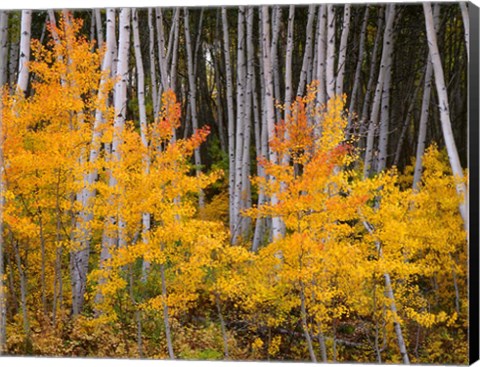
<point>372,126</point>
<point>246,201</point>
<point>162,60</point>
<point>173,66</point>
<point>307,54</point>
<point>330,58</point>
<point>240,122</point>
<point>3,47</point>
<point>445,113</point>
<point>193,101</point>
<point>371,80</point>
<point>385,116</point>
<point>277,20</point>
<point>393,306</point>
<point>146,217</point>
<point>99,26</point>
<point>288,61</point>
<point>25,36</point>
<point>321,60</point>
<point>269,108</point>
<point>153,72</point>
<point>358,70</point>
<point>342,57</point>
<point>112,238</point>
<point>466,26</point>
<point>422,129</point>
<point>231,118</point>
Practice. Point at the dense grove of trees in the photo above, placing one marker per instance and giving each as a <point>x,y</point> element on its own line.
<point>260,183</point>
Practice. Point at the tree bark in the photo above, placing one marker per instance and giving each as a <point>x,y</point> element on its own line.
<point>321,57</point>
<point>146,217</point>
<point>25,35</point>
<point>466,26</point>
<point>3,47</point>
<point>80,258</point>
<point>342,56</point>
<point>372,126</point>
<point>307,54</point>
<point>269,108</point>
<point>445,113</point>
<point>330,59</point>
<point>193,101</point>
<point>153,71</point>
<point>231,118</point>
<point>358,71</point>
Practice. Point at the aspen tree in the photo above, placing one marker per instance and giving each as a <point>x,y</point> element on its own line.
<point>445,113</point>
<point>372,125</point>
<point>342,57</point>
<point>321,57</point>
<point>193,100</point>
<point>3,47</point>
<point>153,71</point>
<point>330,56</point>
<point>358,70</point>
<point>270,114</point>
<point>307,55</point>
<point>25,35</point>
<point>371,80</point>
<point>231,120</point>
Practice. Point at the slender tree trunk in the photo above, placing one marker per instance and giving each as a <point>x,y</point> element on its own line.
<point>277,18</point>
<point>3,47</point>
<point>173,66</point>
<point>323,347</point>
<point>342,57</point>
<point>445,113</point>
<point>153,72</point>
<point>358,71</point>
<point>166,319</point>
<point>422,129</point>
<point>321,57</point>
<point>25,35</point>
<point>393,307</point>
<point>80,258</point>
<point>231,118</point>
<point>115,226</point>
<point>371,81</point>
<point>372,126</point>
<point>146,217</point>
<point>99,26</point>
<point>23,295</point>
<point>222,326</point>
<point>288,61</point>
<point>466,26</point>
<point>406,124</point>
<point>307,54</point>
<point>303,313</point>
<point>246,198</point>
<point>269,108</point>
<point>330,58</point>
<point>240,123</point>
<point>385,117</point>
<point>161,50</point>
<point>193,101</point>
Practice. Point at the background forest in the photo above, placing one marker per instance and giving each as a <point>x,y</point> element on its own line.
<point>243,183</point>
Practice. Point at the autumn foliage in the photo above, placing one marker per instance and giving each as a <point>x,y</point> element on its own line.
<point>320,289</point>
